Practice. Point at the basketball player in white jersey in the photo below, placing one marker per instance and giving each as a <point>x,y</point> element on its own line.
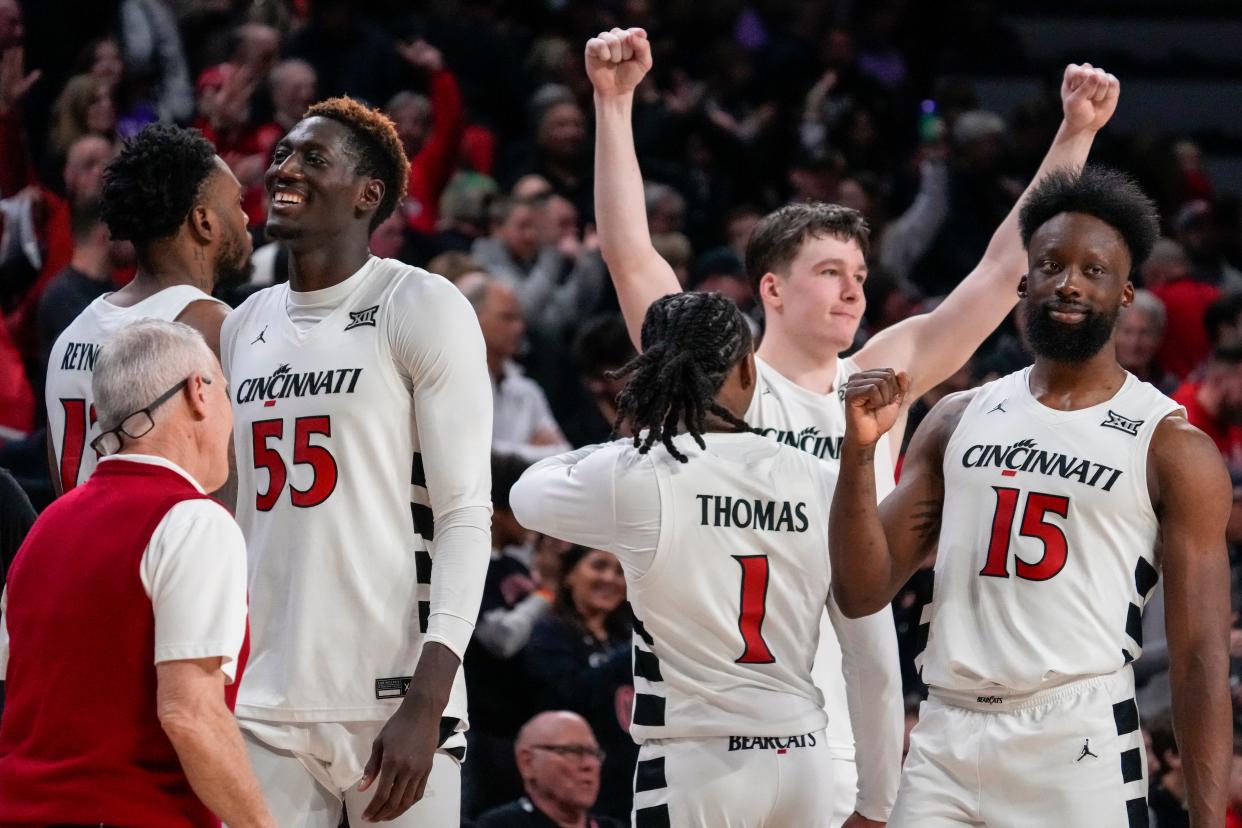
<point>723,537</point>
<point>171,195</point>
<point>1053,499</point>
<point>807,263</point>
<point>362,426</point>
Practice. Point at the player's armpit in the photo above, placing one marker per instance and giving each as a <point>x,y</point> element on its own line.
<point>1193,499</point>
<point>206,316</point>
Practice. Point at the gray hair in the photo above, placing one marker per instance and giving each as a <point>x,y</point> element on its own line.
<point>977,124</point>
<point>1145,302</point>
<point>420,103</point>
<point>281,71</point>
<point>655,193</point>
<point>143,360</point>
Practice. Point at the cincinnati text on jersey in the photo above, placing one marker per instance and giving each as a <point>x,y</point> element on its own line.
<point>1026,457</point>
<point>808,440</point>
<point>285,383</point>
<point>745,513</point>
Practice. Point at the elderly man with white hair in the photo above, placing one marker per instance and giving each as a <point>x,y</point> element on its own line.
<point>1139,334</point>
<point>124,619</point>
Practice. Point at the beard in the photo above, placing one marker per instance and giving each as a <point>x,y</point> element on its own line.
<point>233,267</point>
<point>1058,342</point>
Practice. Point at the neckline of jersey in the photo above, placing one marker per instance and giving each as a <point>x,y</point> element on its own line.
<point>337,295</point>
<point>1058,415</point>
<point>813,397</point>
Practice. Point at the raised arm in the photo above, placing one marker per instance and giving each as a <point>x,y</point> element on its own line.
<point>972,311</point>
<point>1193,505</point>
<point>616,62</point>
<point>875,549</point>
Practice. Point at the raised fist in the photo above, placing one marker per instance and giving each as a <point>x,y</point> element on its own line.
<point>873,399</point>
<point>618,60</point>
<point>1088,96</point>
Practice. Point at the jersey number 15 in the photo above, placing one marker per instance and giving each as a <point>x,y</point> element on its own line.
<point>1034,525</point>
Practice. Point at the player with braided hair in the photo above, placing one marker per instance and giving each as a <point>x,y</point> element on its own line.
<point>696,338</point>
<point>727,572</point>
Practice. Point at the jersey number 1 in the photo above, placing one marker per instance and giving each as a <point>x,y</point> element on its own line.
<point>754,608</point>
<point>1034,525</point>
<point>78,421</point>
<point>321,461</point>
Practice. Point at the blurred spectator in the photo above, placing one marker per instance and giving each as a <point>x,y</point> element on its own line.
<point>1214,402</point>
<point>1199,232</point>
<point>721,270</point>
<point>907,238</point>
<point>85,107</point>
<point>155,61</point>
<point>1195,182</point>
<point>522,422</point>
<point>453,265</point>
<point>512,602</point>
<point>666,209</point>
<point>16,518</point>
<point>1222,321</point>
<point>87,276</point>
<point>388,237</point>
<point>1166,273</point>
<point>559,759</point>
<point>465,213</point>
<point>292,85</point>
<point>225,96</point>
<point>560,151</point>
<point>579,659</point>
<point>1139,333</point>
<point>675,249</point>
<point>351,55</point>
<point>889,301</point>
<point>1154,694</point>
<point>557,280</point>
<point>739,225</point>
<point>1167,791</point>
<point>430,131</point>
<point>601,347</point>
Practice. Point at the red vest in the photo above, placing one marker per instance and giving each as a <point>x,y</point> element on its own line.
<point>80,741</point>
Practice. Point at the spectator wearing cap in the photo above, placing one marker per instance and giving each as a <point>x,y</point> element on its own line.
<point>152,608</point>
<point>560,760</point>
<point>1199,232</point>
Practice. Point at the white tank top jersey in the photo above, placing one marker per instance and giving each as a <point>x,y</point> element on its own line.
<point>332,488</point>
<point>67,395</point>
<point>815,423</point>
<point>1047,545</point>
<point>728,612</point>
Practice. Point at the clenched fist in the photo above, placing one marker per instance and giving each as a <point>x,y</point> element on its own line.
<point>1088,96</point>
<point>873,399</point>
<point>618,60</point>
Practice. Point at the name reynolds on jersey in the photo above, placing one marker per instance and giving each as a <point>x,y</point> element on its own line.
<point>285,383</point>
<point>742,513</point>
<point>808,440</point>
<point>80,356</point>
<point>1025,456</point>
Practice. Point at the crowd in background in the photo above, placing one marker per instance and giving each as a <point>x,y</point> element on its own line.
<point>751,105</point>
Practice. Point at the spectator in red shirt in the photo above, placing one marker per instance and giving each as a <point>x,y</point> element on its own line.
<point>1166,273</point>
<point>1214,403</point>
<point>430,131</point>
<point>292,84</point>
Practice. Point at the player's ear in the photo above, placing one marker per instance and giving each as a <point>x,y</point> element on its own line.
<point>202,223</point>
<point>771,289</point>
<point>1022,288</point>
<point>1127,294</point>
<point>746,371</point>
<point>371,196</point>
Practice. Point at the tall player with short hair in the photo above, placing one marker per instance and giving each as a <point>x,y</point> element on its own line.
<point>362,411</point>
<point>807,264</point>
<point>723,537</point>
<point>171,195</point>
<point>1053,498</point>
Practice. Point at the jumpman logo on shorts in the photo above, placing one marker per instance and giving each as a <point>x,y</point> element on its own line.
<point>260,338</point>
<point>1086,751</point>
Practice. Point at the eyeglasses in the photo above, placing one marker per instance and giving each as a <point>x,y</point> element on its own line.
<point>578,752</point>
<point>136,424</point>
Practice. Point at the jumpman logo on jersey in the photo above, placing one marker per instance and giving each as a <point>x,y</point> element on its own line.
<point>260,337</point>
<point>1000,406</point>
<point>1086,751</point>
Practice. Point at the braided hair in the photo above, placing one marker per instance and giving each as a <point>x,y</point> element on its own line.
<point>691,341</point>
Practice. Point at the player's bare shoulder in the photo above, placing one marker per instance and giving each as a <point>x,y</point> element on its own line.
<point>1181,458</point>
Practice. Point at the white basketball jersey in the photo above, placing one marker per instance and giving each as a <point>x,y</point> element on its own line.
<point>728,613</point>
<point>332,499</point>
<point>1047,544</point>
<point>70,404</point>
<point>815,423</point>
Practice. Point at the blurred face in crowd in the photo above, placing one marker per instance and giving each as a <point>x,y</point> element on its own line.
<point>222,195</point>
<point>557,757</point>
<point>106,64</point>
<point>101,112</point>
<point>293,89</point>
<point>84,166</point>
<point>562,132</point>
<point>852,194</point>
<point>389,236</point>
<point>819,298</point>
<point>667,216</point>
<point>412,118</point>
<point>1078,281</point>
<point>519,232</point>
<point>596,584</point>
<point>1138,337</point>
<point>500,318</point>
<point>1224,385</point>
<point>12,32</point>
<point>560,219</point>
<point>739,230</point>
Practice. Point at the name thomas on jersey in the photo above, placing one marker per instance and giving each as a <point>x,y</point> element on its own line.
<point>745,513</point>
